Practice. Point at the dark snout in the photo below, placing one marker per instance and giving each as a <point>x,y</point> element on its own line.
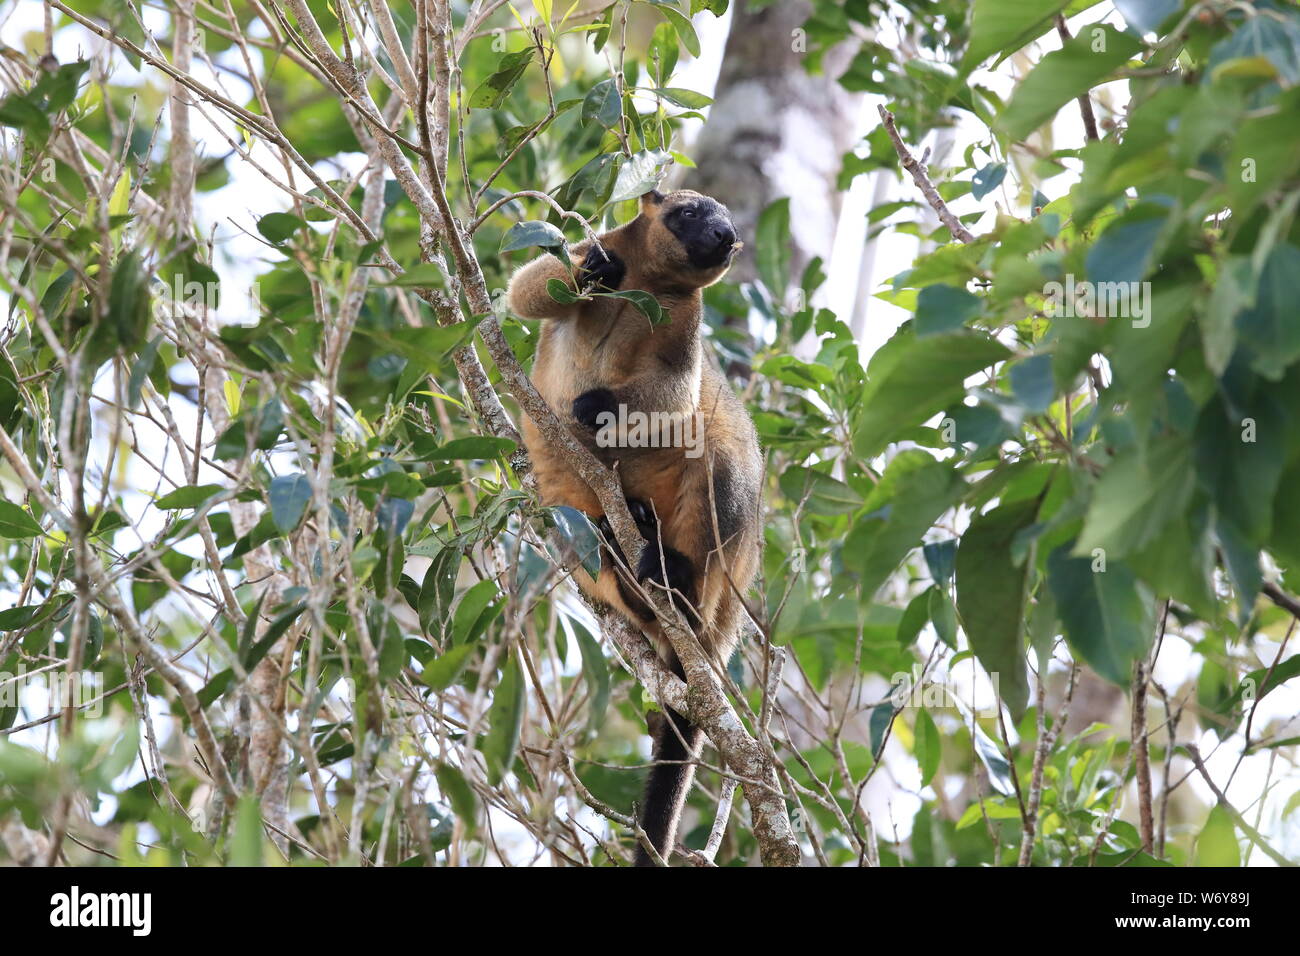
<point>715,242</point>
<point>724,235</point>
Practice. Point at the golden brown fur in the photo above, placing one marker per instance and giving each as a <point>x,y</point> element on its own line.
<point>608,343</point>
<point>602,352</point>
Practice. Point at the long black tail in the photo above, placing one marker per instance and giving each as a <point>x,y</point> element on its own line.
<point>677,741</point>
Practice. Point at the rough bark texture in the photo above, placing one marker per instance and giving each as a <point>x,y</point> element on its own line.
<point>774,130</point>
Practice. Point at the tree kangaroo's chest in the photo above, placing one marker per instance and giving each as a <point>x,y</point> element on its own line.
<point>649,369</point>
<point>651,375</point>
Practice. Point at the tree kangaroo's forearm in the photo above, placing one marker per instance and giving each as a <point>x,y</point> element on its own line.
<point>529,297</point>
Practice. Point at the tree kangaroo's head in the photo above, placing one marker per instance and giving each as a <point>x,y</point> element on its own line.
<point>690,236</point>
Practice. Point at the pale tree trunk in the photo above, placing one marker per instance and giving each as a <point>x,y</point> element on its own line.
<point>774,131</point>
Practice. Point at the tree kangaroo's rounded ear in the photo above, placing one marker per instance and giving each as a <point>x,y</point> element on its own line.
<point>651,203</point>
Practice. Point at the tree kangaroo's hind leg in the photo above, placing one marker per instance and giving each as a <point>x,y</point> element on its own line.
<point>715,529</point>
<point>709,547</point>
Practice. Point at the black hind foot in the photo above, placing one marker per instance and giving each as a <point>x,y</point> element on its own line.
<point>641,514</point>
<point>669,568</point>
<point>680,577</point>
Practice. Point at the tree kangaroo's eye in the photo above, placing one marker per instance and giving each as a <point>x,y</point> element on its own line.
<point>688,214</point>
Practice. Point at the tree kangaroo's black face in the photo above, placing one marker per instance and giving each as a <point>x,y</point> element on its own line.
<point>703,226</point>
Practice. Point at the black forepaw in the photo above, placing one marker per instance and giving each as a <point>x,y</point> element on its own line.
<point>588,407</point>
<point>641,514</point>
<point>601,268</point>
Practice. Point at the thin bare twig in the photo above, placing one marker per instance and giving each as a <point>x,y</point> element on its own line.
<point>922,180</point>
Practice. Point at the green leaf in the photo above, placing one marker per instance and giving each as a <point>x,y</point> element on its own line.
<point>1032,383</point>
<point>602,104</point>
<point>578,531</point>
<point>423,275</point>
<point>437,589</point>
<point>14,618</point>
<point>523,235</point>
<point>1107,616</point>
<point>1145,16</point>
<point>682,24</point>
<point>928,745</point>
<point>1232,292</point>
<point>190,496</point>
<point>492,93</point>
<point>644,302</point>
<point>1126,250</point>
<point>1063,75</point>
<point>476,610</point>
<point>1265,141</point>
<point>689,99</point>
<point>639,174</point>
<point>505,720</point>
<point>1216,845</point>
<point>1268,328</point>
<point>991,596</point>
<point>15,522</point>
<point>276,227</point>
<point>427,345</point>
<point>1240,452</point>
<point>988,179</point>
<point>141,369</point>
<point>559,290</point>
<point>274,631</point>
<point>995,763</point>
<point>944,616</point>
<point>463,800</point>
<point>1004,26</point>
<point>595,670</point>
<point>944,308</point>
<point>442,672</point>
<point>940,558</point>
<point>474,447</point>
<point>993,809</point>
<point>772,246</point>
<point>1259,682</point>
<point>56,293</point>
<point>217,686</point>
<point>11,398</point>
<point>1141,490</point>
<point>911,495</point>
<point>911,378</point>
<point>1273,39</point>
<point>878,724</point>
<point>246,844</point>
<point>663,52</point>
<point>914,618</point>
<point>128,301</point>
<point>825,495</point>
<point>532,572</point>
<point>19,111</point>
<point>289,495</point>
